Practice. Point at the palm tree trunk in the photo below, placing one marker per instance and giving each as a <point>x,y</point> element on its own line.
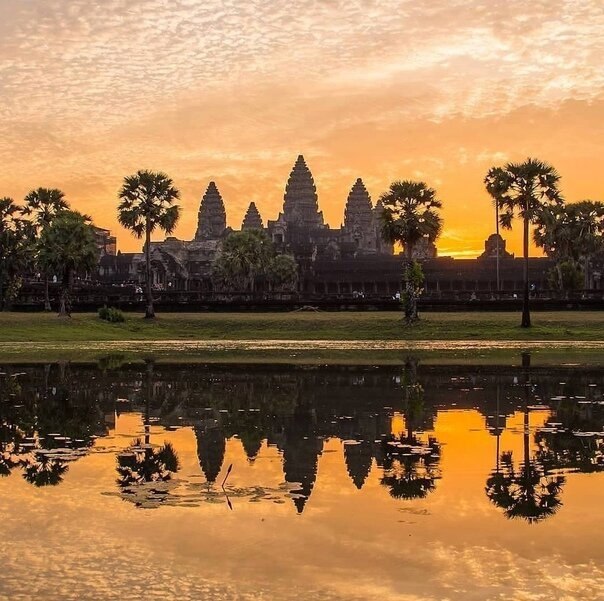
<point>47,306</point>
<point>410,303</point>
<point>64,298</point>
<point>586,284</point>
<point>561,280</point>
<point>526,315</point>
<point>149,312</point>
<point>147,424</point>
<point>62,304</point>
<point>497,247</point>
<point>498,430</point>
<point>526,365</point>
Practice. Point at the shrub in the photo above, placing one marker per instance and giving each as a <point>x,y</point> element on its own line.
<point>111,315</point>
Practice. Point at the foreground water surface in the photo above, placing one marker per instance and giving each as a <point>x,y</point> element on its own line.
<point>157,481</point>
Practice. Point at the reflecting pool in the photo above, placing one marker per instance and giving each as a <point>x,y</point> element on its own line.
<point>160,480</point>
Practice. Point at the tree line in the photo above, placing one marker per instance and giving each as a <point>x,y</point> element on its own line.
<point>571,234</point>
<point>45,234</point>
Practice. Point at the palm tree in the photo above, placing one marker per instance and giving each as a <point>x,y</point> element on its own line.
<point>245,257</point>
<point>527,190</point>
<point>410,213</point>
<point>553,233</point>
<point>590,218</point>
<point>44,204</point>
<point>283,273</point>
<point>572,233</point>
<point>146,203</point>
<point>16,247</point>
<point>68,246</point>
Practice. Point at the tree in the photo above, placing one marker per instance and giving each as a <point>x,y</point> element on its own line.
<point>572,234</point>
<point>67,246</point>
<point>410,213</point>
<point>527,190</point>
<point>246,257</point>
<point>566,276</point>
<point>283,273</point>
<point>589,216</point>
<point>44,204</point>
<point>147,203</point>
<point>16,248</point>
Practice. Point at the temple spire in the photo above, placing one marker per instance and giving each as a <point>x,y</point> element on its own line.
<point>300,202</point>
<point>252,219</point>
<point>211,220</point>
<point>358,209</point>
<point>358,217</point>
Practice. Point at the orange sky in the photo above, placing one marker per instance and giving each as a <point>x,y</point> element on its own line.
<point>234,91</point>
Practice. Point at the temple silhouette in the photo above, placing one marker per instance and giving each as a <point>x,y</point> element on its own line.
<point>351,259</point>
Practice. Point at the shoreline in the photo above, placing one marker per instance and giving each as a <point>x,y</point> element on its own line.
<point>303,338</point>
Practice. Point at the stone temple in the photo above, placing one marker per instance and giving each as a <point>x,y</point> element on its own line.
<point>346,260</point>
<point>299,229</point>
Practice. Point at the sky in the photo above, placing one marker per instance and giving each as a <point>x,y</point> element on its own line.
<point>233,90</point>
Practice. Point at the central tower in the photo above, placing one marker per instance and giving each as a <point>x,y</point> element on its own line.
<point>300,202</point>
<point>211,219</point>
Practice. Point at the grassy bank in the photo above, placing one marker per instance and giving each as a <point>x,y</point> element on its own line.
<point>40,327</point>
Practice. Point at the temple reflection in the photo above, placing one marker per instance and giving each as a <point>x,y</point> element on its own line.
<point>387,418</point>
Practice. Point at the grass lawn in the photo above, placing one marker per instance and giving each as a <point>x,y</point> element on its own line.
<point>39,337</point>
<point>41,327</point>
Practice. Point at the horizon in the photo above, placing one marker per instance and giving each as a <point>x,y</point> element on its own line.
<point>391,90</point>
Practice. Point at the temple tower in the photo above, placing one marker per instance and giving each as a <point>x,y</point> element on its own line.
<point>252,219</point>
<point>300,202</point>
<point>358,217</point>
<point>211,220</point>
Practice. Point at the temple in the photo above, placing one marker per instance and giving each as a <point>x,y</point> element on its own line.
<point>353,259</point>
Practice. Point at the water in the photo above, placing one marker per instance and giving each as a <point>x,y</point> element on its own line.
<point>162,481</point>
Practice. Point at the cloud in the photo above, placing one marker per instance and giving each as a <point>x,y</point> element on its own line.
<point>91,90</point>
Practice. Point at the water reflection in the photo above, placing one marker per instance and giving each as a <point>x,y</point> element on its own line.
<point>142,469</point>
<point>411,463</point>
<point>385,418</point>
<point>42,427</point>
<point>528,491</point>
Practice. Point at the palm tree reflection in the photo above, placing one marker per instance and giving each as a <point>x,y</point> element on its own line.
<point>411,465</point>
<point>528,491</point>
<point>142,463</point>
<point>42,469</point>
<point>142,468</point>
